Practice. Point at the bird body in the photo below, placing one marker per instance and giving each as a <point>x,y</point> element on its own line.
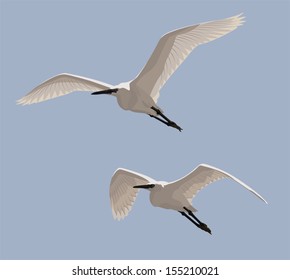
<point>164,197</point>
<point>134,100</point>
<point>176,195</point>
<point>142,93</point>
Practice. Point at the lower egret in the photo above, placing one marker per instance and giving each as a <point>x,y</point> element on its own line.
<point>176,195</point>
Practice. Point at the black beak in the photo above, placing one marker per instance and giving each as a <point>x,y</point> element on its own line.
<point>149,186</point>
<point>107,91</point>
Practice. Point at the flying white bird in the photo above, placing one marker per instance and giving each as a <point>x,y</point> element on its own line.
<point>141,94</point>
<point>176,195</point>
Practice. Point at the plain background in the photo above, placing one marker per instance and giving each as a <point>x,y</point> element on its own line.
<point>230,96</point>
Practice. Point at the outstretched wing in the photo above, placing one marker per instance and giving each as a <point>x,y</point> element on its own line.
<point>174,47</point>
<point>60,85</point>
<point>202,176</point>
<point>122,193</point>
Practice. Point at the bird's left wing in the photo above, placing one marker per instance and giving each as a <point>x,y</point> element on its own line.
<point>174,47</point>
<point>60,85</point>
<point>122,193</point>
<point>202,176</point>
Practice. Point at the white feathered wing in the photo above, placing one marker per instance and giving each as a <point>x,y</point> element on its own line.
<point>122,193</point>
<point>174,47</point>
<point>202,176</point>
<point>60,85</point>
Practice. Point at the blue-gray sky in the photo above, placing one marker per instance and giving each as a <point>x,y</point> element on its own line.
<point>231,97</point>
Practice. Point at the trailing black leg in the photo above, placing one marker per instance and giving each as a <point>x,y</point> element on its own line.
<point>192,215</point>
<point>186,216</point>
<point>158,119</point>
<point>167,121</point>
<point>202,225</point>
<point>160,113</point>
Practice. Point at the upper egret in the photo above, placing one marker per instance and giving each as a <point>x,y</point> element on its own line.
<point>141,94</point>
<point>176,195</point>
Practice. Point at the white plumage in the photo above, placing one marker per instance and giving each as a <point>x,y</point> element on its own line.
<point>176,195</point>
<point>60,85</point>
<point>122,193</point>
<point>141,94</point>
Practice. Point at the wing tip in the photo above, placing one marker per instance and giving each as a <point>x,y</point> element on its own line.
<point>265,201</point>
<point>117,216</point>
<point>262,198</point>
<point>26,101</point>
<point>240,19</point>
<point>21,101</point>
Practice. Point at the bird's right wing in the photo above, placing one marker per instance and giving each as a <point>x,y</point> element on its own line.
<point>202,176</point>
<point>122,193</point>
<point>60,85</point>
<point>174,47</point>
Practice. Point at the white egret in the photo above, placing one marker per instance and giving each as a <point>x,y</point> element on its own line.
<point>176,195</point>
<point>141,94</point>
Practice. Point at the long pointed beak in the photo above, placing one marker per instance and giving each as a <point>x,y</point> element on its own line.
<point>107,91</point>
<point>149,186</point>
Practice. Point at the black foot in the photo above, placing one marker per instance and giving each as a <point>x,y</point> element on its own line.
<point>204,227</point>
<point>165,120</point>
<point>173,124</point>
